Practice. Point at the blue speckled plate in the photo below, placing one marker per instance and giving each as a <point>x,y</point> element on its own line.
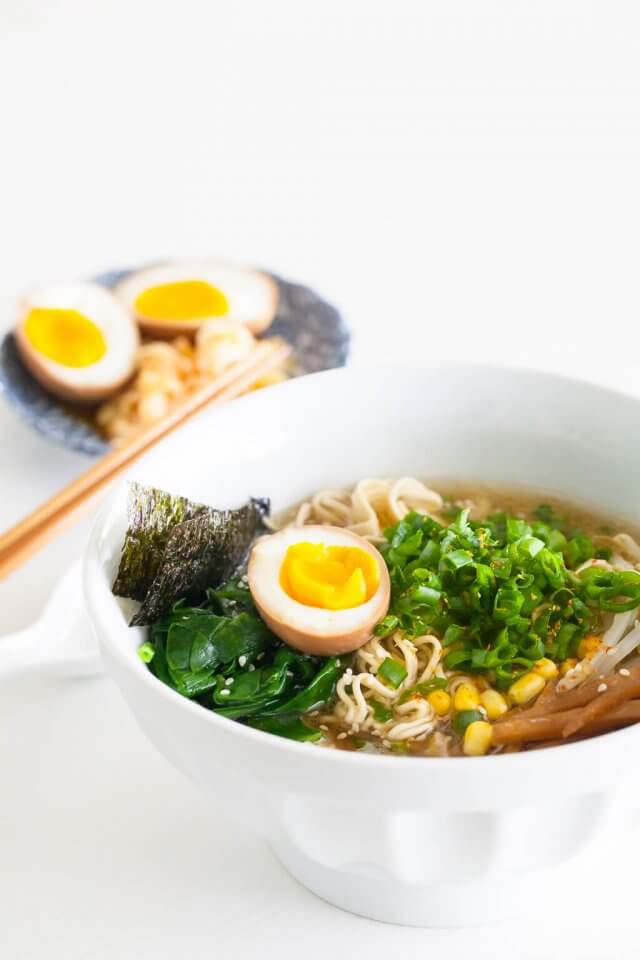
<point>315,330</point>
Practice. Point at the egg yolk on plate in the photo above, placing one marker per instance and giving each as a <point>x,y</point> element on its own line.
<point>65,336</point>
<point>332,578</point>
<point>182,300</point>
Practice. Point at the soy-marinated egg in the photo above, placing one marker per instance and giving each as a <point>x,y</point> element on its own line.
<point>77,340</point>
<point>321,589</point>
<point>177,298</point>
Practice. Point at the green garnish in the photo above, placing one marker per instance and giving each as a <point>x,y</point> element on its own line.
<point>612,590</point>
<point>462,720</point>
<point>380,712</point>
<point>392,671</point>
<point>424,689</point>
<point>146,652</point>
<point>501,593</point>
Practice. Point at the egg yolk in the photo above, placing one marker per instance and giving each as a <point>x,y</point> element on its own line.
<point>182,300</point>
<point>332,578</point>
<point>65,336</point>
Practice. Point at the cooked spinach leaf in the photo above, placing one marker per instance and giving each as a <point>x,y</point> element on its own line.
<point>224,655</point>
<point>291,727</point>
<point>317,692</point>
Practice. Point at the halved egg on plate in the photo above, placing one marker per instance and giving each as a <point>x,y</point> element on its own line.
<point>177,298</point>
<point>77,340</point>
<point>321,589</point>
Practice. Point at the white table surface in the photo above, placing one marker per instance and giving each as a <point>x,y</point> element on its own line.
<point>462,180</point>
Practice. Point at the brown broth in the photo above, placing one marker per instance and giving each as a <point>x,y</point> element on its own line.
<point>523,501</point>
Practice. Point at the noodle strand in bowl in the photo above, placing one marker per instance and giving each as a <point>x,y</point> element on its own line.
<point>370,506</point>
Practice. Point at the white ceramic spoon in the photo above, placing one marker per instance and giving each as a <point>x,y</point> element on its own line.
<point>61,641</point>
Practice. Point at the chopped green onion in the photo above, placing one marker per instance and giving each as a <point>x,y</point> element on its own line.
<point>456,559</point>
<point>424,688</point>
<point>453,634</point>
<point>462,720</point>
<point>424,595</point>
<point>146,652</point>
<point>392,671</point>
<point>507,603</point>
<point>501,593</point>
<point>578,549</point>
<point>456,659</point>
<point>556,541</point>
<point>380,712</point>
<point>387,626</point>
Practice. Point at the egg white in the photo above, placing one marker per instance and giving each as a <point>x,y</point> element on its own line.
<point>306,628</point>
<point>252,296</point>
<point>120,333</point>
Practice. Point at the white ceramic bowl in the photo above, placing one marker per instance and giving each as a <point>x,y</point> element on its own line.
<point>418,841</point>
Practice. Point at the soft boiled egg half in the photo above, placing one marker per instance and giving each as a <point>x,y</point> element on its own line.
<point>77,340</point>
<point>321,589</point>
<point>177,298</point>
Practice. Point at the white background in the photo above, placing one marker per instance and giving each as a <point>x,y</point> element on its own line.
<point>462,179</point>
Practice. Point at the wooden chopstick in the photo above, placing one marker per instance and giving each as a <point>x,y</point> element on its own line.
<point>29,535</point>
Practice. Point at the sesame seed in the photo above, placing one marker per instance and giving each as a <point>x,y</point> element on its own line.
<point>244,578</point>
<point>624,672</point>
<point>242,661</point>
<point>251,667</point>
<point>289,673</point>
<point>323,726</point>
<point>225,693</point>
<point>386,743</point>
<point>611,651</point>
<point>341,736</point>
<point>260,656</point>
<point>228,681</point>
<point>602,687</point>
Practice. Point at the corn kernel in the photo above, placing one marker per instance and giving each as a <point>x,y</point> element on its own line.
<point>477,738</point>
<point>567,665</point>
<point>588,645</point>
<point>440,701</point>
<point>494,704</point>
<point>546,668</point>
<point>525,688</point>
<point>466,698</point>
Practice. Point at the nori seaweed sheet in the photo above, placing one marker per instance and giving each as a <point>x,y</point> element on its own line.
<point>175,548</point>
<point>151,516</point>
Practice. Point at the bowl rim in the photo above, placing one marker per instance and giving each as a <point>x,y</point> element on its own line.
<point>98,598</point>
